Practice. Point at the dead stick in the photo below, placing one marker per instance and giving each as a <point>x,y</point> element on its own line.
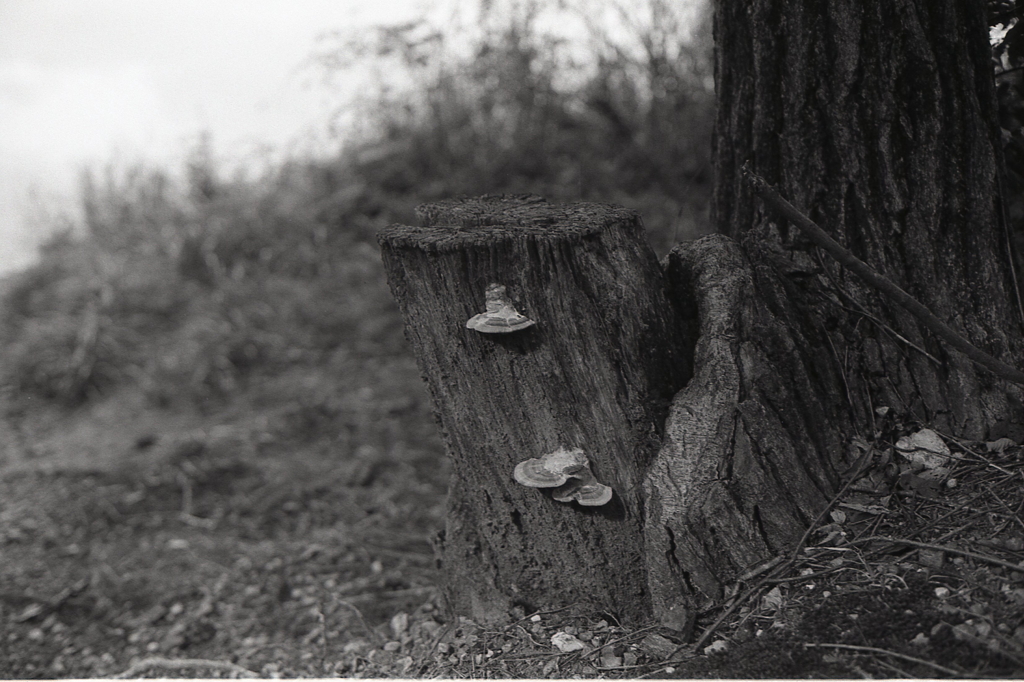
<point>875,650</point>
<point>183,664</point>
<point>941,548</point>
<point>777,567</point>
<point>706,635</point>
<point>864,465</point>
<point>865,272</point>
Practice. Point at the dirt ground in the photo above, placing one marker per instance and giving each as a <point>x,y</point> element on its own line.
<point>141,542</point>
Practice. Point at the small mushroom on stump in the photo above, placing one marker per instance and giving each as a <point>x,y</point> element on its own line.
<point>501,317</point>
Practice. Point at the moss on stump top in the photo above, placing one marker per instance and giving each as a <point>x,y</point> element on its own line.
<point>455,224</point>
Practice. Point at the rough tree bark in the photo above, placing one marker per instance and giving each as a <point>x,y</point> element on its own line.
<point>596,372</point>
<point>878,120</point>
<point>753,442</point>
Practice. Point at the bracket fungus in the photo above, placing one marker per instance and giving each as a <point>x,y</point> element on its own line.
<point>568,472</point>
<point>500,317</point>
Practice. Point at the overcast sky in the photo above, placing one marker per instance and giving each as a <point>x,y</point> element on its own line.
<point>86,81</point>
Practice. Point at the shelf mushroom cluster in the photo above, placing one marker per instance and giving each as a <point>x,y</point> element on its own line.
<point>568,472</point>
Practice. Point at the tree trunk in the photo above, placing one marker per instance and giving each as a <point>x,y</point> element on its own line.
<point>878,121</point>
<point>596,371</point>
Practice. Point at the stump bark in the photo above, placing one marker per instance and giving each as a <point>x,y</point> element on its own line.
<point>752,443</point>
<point>876,120</point>
<point>597,371</point>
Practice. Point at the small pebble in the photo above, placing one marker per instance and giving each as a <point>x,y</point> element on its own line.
<point>566,643</point>
<point>920,640</point>
<point>719,646</point>
<point>611,661</point>
<point>535,618</point>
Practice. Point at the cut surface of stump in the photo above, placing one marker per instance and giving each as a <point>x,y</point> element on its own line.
<point>595,372</point>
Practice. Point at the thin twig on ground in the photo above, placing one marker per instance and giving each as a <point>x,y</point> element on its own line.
<point>706,635</point>
<point>838,496</point>
<point>374,635</point>
<point>548,612</point>
<point>1002,503</point>
<point>941,548</point>
<point>625,638</point>
<point>393,594</point>
<point>890,666</point>
<point>779,567</point>
<point>182,664</point>
<point>894,654</point>
<point>956,508</point>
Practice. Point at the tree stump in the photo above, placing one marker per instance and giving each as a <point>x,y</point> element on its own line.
<point>596,372</point>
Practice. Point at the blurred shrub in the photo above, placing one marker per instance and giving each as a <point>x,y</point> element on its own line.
<point>510,105</point>
<point>188,287</point>
<point>192,284</point>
